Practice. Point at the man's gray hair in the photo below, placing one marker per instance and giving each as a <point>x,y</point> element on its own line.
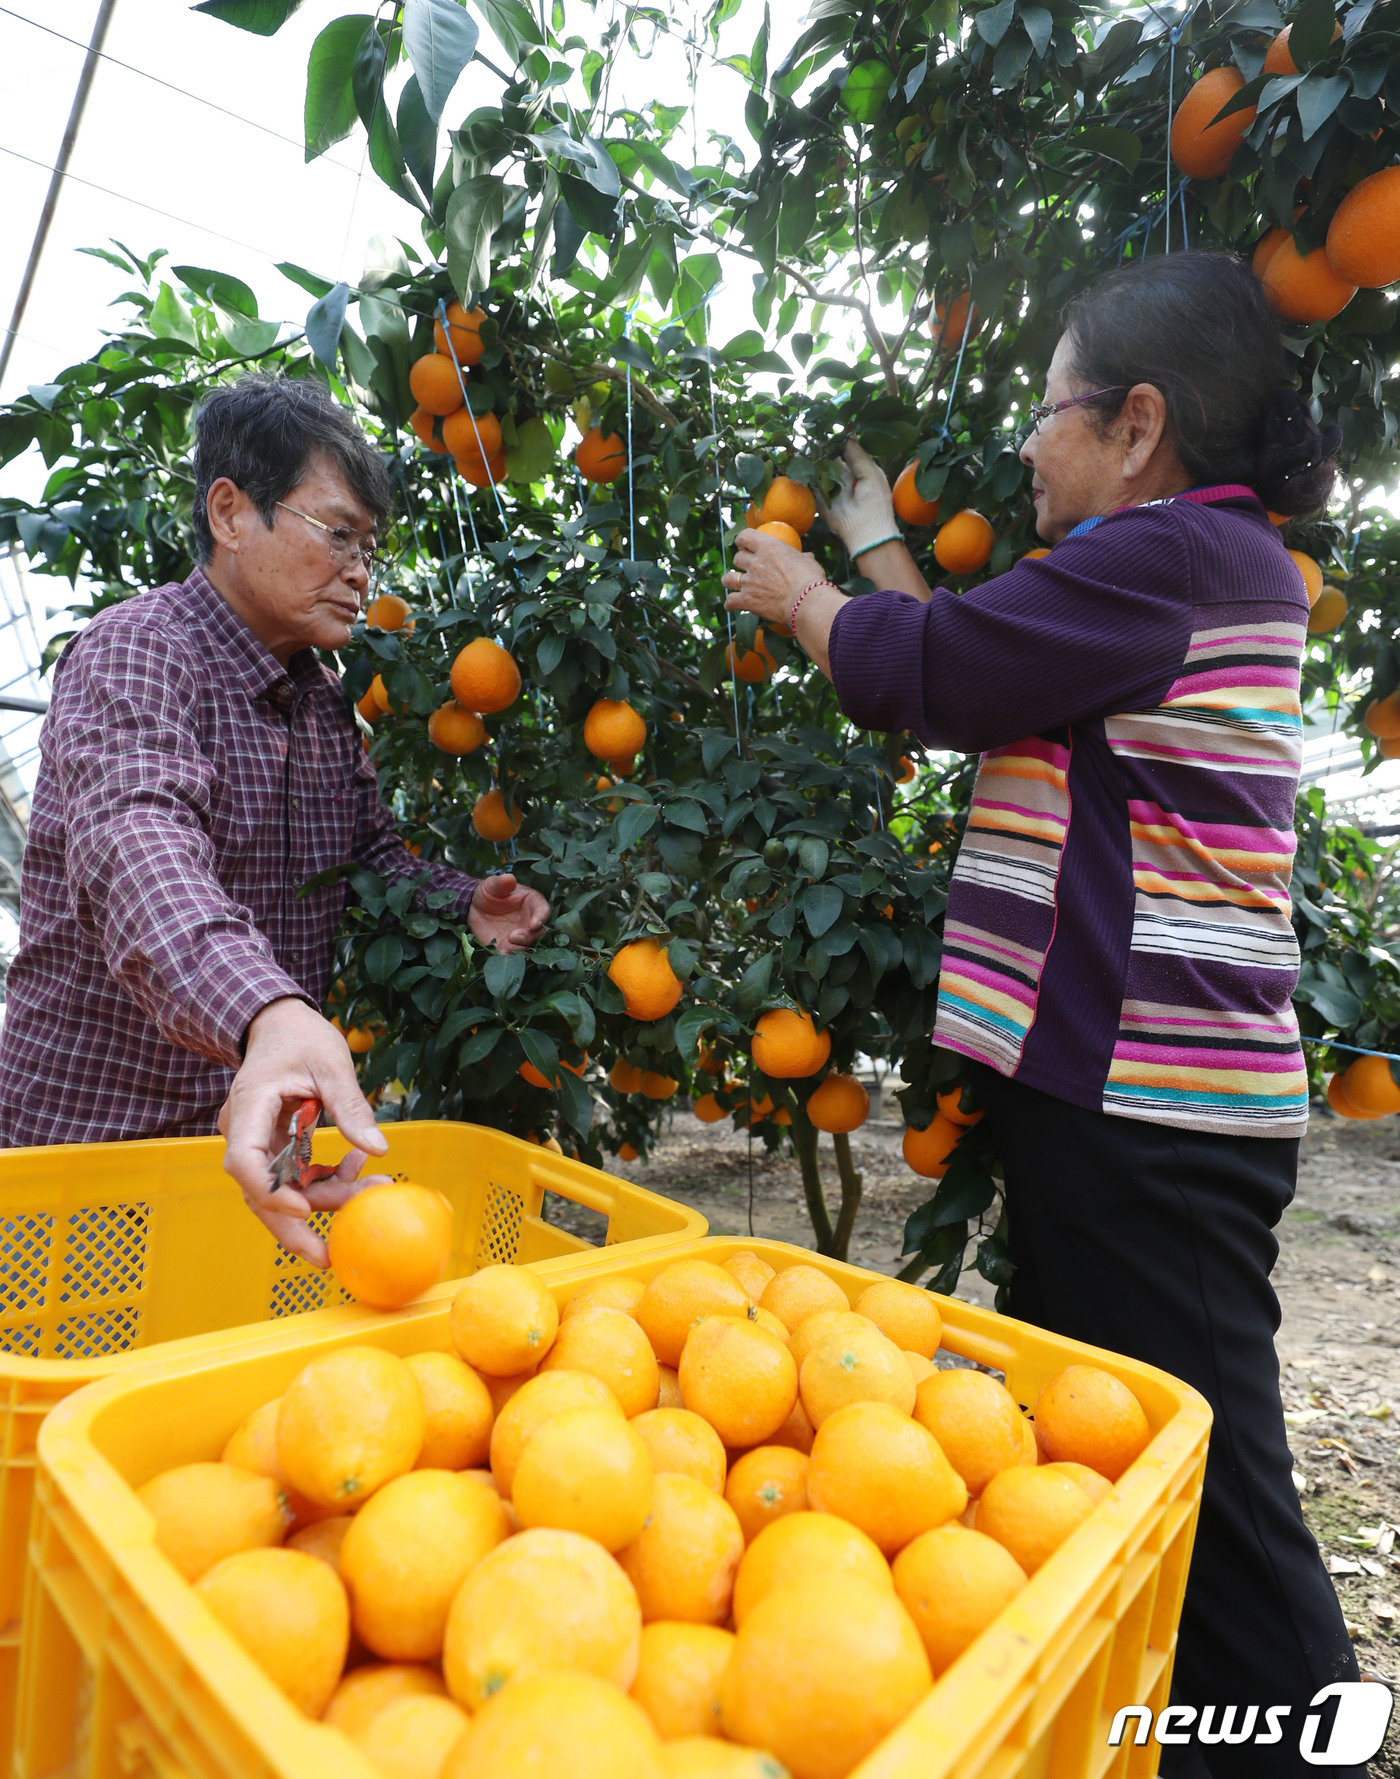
<point>262,434</point>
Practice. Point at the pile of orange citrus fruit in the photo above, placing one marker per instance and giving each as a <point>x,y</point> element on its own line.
<point>444,420</point>
<point>724,1512</point>
<point>1362,249</point>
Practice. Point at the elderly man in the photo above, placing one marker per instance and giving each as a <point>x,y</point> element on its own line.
<point>200,763</point>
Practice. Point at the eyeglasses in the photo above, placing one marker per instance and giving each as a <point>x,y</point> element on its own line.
<point>1039,411</point>
<point>345,544</point>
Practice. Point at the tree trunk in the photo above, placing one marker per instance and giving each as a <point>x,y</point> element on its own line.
<point>804,1141</point>
<point>851,1183</point>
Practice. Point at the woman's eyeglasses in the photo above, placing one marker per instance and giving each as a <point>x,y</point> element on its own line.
<point>345,544</point>
<point>1039,411</point>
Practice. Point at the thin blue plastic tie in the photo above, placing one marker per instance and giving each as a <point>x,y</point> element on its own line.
<point>719,515</point>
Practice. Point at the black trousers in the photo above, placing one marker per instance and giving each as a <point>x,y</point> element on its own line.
<point>1158,1243</point>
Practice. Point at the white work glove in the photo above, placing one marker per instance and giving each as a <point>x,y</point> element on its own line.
<point>862,514</point>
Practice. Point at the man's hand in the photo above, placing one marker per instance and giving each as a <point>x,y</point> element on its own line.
<point>506,915</point>
<point>292,1055</point>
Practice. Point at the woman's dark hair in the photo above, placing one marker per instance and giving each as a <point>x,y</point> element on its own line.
<point>1198,326</point>
<point>262,433</point>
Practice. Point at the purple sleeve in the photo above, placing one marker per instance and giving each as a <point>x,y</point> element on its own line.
<point>1099,626</point>
<point>142,874</point>
<point>380,848</point>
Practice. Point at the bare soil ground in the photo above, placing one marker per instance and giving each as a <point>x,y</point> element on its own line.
<point>1338,1281</point>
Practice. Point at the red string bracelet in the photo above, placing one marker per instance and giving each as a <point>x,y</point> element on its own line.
<point>821,581</point>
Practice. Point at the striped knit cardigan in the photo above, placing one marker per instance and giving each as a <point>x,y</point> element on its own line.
<point>1118,928</point>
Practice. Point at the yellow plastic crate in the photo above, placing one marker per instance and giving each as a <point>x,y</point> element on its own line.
<point>124,1670</point>
<point>106,1249</point>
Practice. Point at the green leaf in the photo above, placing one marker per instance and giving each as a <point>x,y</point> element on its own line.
<point>171,319</point>
<point>479,1045</point>
<point>634,821</point>
<point>575,1102</point>
<point>309,281</point>
<point>514,26</point>
<point>1318,97</point>
<point>264,18</point>
<point>532,456</point>
<point>221,288</point>
<point>690,1028</point>
<point>821,907</point>
<point>812,855</point>
<point>383,956</point>
<point>965,1191</point>
<point>474,213</point>
<point>1115,145</point>
<point>504,972</point>
<point>324,322</point>
<point>249,339</point>
<point>866,88</point>
<point>439,38</point>
<point>417,136</point>
<point>1039,23</point>
<point>542,1051</point>
<point>753,984</point>
<point>993,22</point>
<point>742,346</point>
<point>330,95</point>
<point>1311,35</point>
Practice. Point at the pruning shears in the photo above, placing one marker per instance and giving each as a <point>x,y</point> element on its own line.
<point>292,1165</point>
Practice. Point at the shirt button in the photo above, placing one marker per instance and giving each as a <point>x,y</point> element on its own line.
<point>296,802</point>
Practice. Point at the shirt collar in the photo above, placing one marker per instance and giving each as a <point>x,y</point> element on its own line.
<point>251,663</point>
<point>1218,491</point>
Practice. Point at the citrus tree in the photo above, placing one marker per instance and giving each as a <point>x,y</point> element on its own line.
<point>747,893</point>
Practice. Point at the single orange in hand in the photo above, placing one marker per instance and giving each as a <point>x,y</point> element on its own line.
<point>389,1243</point>
<point>785,533</point>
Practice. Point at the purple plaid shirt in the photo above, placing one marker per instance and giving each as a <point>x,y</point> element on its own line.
<point>188,784</point>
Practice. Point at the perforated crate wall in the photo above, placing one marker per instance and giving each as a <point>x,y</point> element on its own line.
<point>73,1287</point>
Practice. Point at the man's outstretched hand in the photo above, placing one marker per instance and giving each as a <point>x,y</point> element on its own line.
<point>292,1054</point>
<point>505,914</point>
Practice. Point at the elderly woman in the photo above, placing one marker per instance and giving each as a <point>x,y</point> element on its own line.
<point>1117,955</point>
